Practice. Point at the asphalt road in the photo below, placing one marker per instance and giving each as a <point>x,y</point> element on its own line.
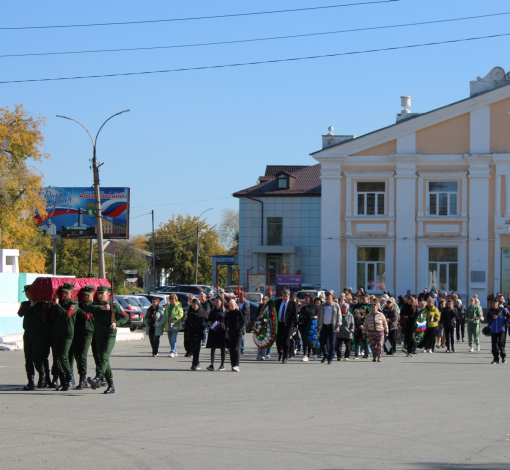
<point>433,411</point>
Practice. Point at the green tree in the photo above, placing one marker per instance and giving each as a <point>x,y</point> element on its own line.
<point>20,184</point>
<point>72,258</point>
<point>228,228</point>
<point>175,247</point>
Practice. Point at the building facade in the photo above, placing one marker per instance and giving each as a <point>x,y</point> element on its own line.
<point>423,203</point>
<point>280,224</point>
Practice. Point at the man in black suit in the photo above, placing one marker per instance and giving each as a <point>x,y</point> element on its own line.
<point>286,313</point>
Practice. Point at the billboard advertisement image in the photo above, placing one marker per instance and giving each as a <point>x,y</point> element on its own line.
<point>71,212</point>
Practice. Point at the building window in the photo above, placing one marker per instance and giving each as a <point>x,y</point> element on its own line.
<point>275,231</point>
<point>283,182</point>
<point>371,198</point>
<point>371,269</point>
<point>443,269</point>
<point>443,197</point>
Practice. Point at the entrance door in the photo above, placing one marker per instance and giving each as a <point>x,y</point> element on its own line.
<point>275,264</point>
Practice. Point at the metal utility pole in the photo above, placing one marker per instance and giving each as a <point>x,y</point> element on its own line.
<point>97,193</point>
<point>90,258</point>
<point>196,259</point>
<point>153,257</point>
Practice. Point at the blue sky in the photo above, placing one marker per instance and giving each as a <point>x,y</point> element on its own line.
<point>202,135</point>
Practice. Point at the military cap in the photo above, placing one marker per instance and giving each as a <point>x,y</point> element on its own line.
<point>27,287</point>
<point>67,287</point>
<point>89,290</point>
<point>103,289</point>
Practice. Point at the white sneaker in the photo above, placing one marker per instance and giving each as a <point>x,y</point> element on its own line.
<point>478,347</point>
<point>235,369</point>
<point>172,355</point>
<point>315,357</point>
<point>268,356</point>
<point>357,358</point>
<point>471,350</point>
<point>346,359</point>
<point>305,359</point>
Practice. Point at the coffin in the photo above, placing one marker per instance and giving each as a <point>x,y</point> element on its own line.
<point>44,289</point>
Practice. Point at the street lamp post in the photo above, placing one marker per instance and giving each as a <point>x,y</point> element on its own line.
<point>196,260</point>
<point>97,194</point>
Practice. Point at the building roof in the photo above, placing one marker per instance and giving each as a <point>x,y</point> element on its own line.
<point>415,118</point>
<point>307,182</point>
<point>110,249</point>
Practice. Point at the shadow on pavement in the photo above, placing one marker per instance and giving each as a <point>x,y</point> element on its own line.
<point>448,466</point>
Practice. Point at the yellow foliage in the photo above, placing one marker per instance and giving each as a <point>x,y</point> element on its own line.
<point>20,183</point>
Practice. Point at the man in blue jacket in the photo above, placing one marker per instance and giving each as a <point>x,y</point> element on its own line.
<point>498,319</point>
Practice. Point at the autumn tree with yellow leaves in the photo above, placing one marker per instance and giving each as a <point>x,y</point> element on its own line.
<point>20,184</point>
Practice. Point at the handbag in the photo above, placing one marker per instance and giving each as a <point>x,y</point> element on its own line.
<point>388,346</point>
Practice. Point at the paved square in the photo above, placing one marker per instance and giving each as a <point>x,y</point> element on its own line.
<point>433,411</point>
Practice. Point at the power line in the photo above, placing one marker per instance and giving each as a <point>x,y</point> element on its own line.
<point>136,217</point>
<point>240,41</point>
<point>274,61</point>
<point>119,23</point>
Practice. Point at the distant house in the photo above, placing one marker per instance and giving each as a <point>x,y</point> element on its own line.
<point>279,224</point>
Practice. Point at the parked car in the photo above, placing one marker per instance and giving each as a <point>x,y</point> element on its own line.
<point>234,289</point>
<point>142,302</point>
<point>254,297</point>
<point>162,288</point>
<point>314,293</point>
<point>182,297</point>
<point>133,309</point>
<point>196,290</point>
<point>311,287</point>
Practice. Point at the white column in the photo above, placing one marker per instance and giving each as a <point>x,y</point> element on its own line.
<point>507,195</point>
<point>331,260</point>
<point>480,131</point>
<point>464,196</point>
<point>497,196</point>
<point>420,196</point>
<point>478,224</point>
<point>407,144</point>
<point>391,207</point>
<point>405,243</point>
<point>497,263</point>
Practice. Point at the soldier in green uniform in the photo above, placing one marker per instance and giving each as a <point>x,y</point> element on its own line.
<point>33,324</point>
<point>105,332</point>
<point>63,313</point>
<point>47,347</point>
<point>83,332</point>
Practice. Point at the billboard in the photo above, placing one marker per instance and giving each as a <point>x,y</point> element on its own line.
<point>71,212</point>
<point>286,281</point>
<point>257,282</point>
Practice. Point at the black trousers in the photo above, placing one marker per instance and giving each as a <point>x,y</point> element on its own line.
<point>235,348</point>
<point>430,338</point>
<point>498,345</point>
<point>195,345</point>
<point>392,337</point>
<point>307,350</point>
<point>450,340</point>
<point>461,330</point>
<point>358,341</point>
<point>338,347</point>
<point>327,339</point>
<point>154,340</point>
<point>33,348</point>
<point>410,346</point>
<point>282,341</point>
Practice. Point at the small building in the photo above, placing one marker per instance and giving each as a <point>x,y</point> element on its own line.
<point>280,224</point>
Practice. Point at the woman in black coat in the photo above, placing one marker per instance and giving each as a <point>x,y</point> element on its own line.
<point>216,338</point>
<point>234,322</point>
<point>194,327</point>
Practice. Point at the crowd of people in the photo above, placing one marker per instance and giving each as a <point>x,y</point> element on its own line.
<point>356,324</point>
<point>352,324</point>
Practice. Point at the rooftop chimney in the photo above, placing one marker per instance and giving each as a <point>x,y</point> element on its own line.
<point>331,139</point>
<point>495,78</point>
<point>405,102</point>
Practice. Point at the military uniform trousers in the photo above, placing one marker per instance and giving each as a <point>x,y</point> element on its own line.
<point>94,353</point>
<point>81,344</point>
<point>46,347</point>
<point>104,349</point>
<point>61,348</point>
<point>33,350</point>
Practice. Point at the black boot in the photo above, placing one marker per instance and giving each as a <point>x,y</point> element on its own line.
<point>102,381</point>
<point>31,384</point>
<point>111,387</point>
<point>41,383</point>
<point>55,383</point>
<point>48,380</point>
<point>92,382</point>
<point>70,381</point>
<point>64,385</point>
<point>83,382</point>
